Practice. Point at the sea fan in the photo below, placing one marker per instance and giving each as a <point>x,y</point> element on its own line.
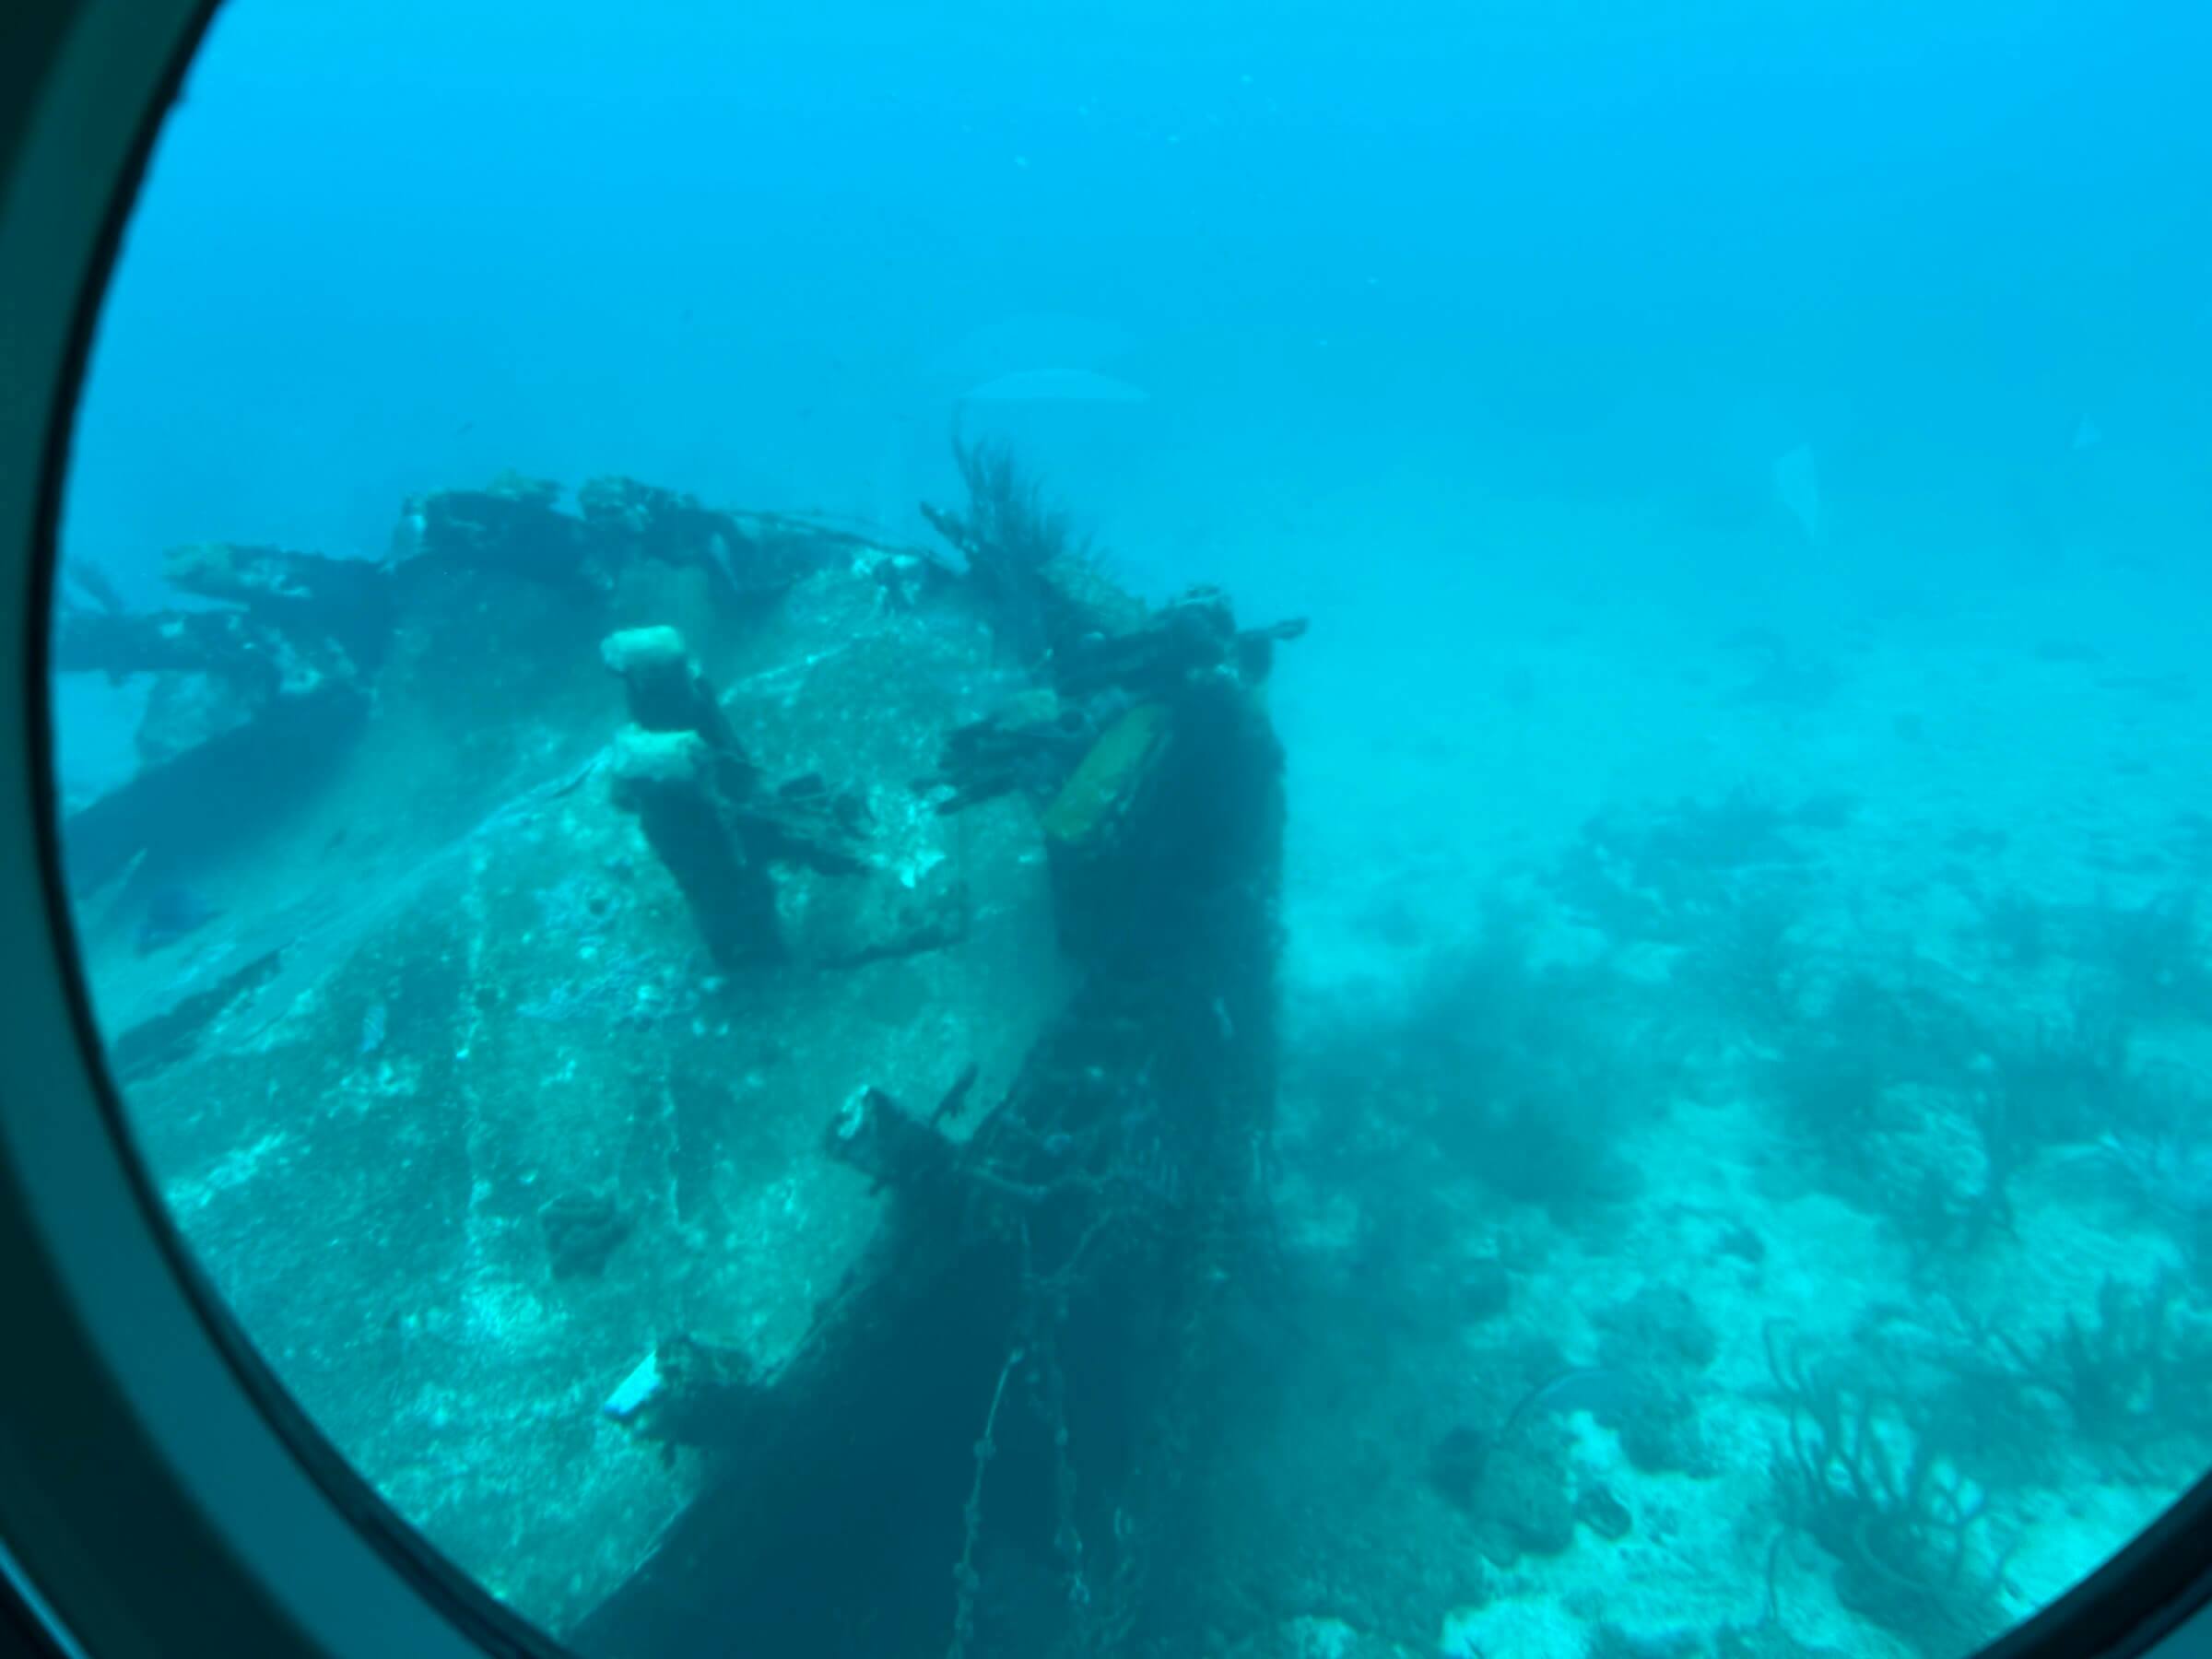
<point>2167,1172</point>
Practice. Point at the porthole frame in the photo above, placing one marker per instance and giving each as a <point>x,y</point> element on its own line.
<point>158,1491</point>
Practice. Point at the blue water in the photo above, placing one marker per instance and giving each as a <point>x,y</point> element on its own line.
<point>1748,468</point>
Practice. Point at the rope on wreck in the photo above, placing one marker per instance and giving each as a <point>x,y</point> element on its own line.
<point>965,1578</point>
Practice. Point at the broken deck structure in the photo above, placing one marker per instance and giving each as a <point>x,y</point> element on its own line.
<point>727,1065</point>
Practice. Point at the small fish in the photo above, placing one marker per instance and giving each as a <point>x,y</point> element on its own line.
<point>1797,488</point>
<point>957,1096</point>
<point>94,582</point>
<point>718,552</point>
<point>171,914</point>
<point>372,1029</point>
<point>1597,1389</point>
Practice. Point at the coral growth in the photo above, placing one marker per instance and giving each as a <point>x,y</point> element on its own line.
<point>1862,1473</point>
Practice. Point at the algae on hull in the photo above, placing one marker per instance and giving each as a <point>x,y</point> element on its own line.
<point>1109,779</point>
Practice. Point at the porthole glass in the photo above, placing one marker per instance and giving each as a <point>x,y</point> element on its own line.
<point>1021,831</point>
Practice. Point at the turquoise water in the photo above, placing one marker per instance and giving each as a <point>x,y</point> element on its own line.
<point>1739,1169</point>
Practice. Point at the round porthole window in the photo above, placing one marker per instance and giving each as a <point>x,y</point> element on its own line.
<point>1019,833</point>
